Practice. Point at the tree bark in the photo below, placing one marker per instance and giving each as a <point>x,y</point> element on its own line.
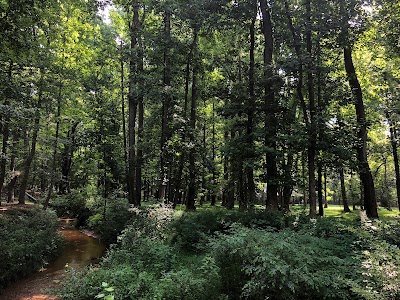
<point>269,109</point>
<point>319,187</point>
<point>132,106</point>
<point>67,154</point>
<point>166,103</point>
<point>123,118</point>
<point>6,134</point>
<point>312,142</point>
<point>370,203</point>
<point>55,146</point>
<point>249,169</point>
<point>393,141</point>
<point>190,205</point>
<point>343,190</point>
<point>139,155</point>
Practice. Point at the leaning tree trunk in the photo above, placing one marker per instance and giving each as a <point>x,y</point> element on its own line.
<point>370,203</point>
<point>270,108</point>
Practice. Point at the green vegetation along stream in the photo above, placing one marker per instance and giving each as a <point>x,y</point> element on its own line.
<point>79,251</point>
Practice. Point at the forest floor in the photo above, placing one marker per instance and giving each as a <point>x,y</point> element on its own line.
<point>34,287</point>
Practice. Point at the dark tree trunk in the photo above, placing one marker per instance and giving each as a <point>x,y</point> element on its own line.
<point>6,134</point>
<point>55,146</point>
<point>123,118</point>
<point>166,105</point>
<point>190,205</point>
<point>393,141</point>
<point>288,186</point>
<point>325,191</point>
<point>133,102</point>
<point>370,203</point>
<point>319,187</point>
<point>178,194</point>
<point>67,154</point>
<point>249,170</point>
<point>13,173</point>
<point>312,142</point>
<point>226,174</point>
<point>32,151</point>
<point>270,109</point>
<point>213,196</point>
<point>230,200</point>
<point>139,156</point>
<point>343,191</point>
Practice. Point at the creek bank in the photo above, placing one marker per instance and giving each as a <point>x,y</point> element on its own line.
<point>80,250</point>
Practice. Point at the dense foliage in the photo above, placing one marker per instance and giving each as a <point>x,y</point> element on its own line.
<point>185,102</point>
<point>29,240</point>
<point>278,257</point>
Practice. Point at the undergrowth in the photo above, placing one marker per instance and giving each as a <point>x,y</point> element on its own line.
<point>236,255</point>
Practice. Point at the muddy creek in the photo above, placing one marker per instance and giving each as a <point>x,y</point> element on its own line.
<point>79,251</point>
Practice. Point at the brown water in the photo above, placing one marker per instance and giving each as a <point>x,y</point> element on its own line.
<point>79,251</point>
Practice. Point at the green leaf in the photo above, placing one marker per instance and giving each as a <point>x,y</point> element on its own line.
<point>104,284</point>
<point>109,289</point>
<point>109,297</point>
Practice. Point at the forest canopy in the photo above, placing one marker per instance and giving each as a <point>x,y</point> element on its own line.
<point>245,103</point>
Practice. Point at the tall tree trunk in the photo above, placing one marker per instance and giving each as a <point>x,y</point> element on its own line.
<point>55,146</point>
<point>32,151</point>
<point>319,187</point>
<point>370,203</point>
<point>166,103</point>
<point>123,118</point>
<point>343,190</point>
<point>67,154</point>
<point>319,128</point>
<point>213,196</point>
<point>226,170</point>
<point>132,98</point>
<point>139,155</point>
<point>312,139</point>
<point>190,205</point>
<point>13,173</point>
<point>6,134</point>
<point>288,186</point>
<point>325,190</point>
<point>249,169</point>
<point>393,141</point>
<point>270,109</point>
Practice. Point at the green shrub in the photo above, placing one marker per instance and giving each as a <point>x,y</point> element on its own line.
<point>142,265</point>
<point>192,229</point>
<point>29,239</point>
<point>257,264</point>
<point>71,205</point>
<point>113,222</point>
<point>191,283</point>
